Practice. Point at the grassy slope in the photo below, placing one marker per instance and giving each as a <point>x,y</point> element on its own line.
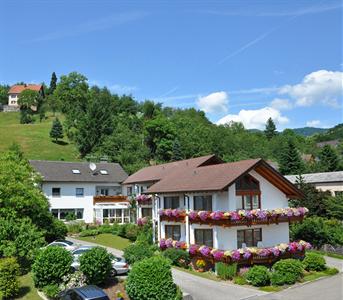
<point>108,240</point>
<point>34,138</point>
<point>27,290</point>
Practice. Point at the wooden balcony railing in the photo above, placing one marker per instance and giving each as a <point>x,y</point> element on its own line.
<point>109,199</point>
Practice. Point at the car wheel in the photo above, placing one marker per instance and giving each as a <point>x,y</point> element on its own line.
<point>113,272</point>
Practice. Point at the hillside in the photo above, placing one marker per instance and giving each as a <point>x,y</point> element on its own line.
<point>334,133</point>
<point>308,131</point>
<point>34,139</point>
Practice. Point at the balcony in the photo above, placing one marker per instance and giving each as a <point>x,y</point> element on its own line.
<point>110,199</point>
<point>235,218</point>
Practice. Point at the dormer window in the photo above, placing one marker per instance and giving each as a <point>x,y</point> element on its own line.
<point>103,172</point>
<point>75,171</point>
<point>249,189</point>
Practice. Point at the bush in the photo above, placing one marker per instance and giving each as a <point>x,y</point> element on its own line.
<point>129,231</point>
<point>105,229</point>
<point>51,291</point>
<point>96,265</point>
<point>56,231</point>
<point>314,262</point>
<point>75,227</point>
<point>239,280</point>
<point>9,271</point>
<point>225,271</point>
<point>178,257</point>
<point>152,279</point>
<point>258,276</point>
<point>89,232</point>
<point>138,251</point>
<point>50,265</point>
<point>70,217</point>
<point>286,271</point>
<point>331,271</point>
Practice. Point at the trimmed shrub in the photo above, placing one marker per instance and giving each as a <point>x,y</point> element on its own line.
<point>152,279</point>
<point>105,229</point>
<point>129,231</point>
<point>314,262</point>
<point>57,230</point>
<point>239,280</point>
<point>178,257</point>
<point>226,271</point>
<point>286,271</point>
<point>331,271</point>
<point>258,276</point>
<point>138,251</point>
<point>89,232</point>
<point>96,265</point>
<point>50,265</point>
<point>9,271</point>
<point>51,291</point>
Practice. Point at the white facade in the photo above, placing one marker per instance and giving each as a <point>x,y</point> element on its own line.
<point>13,100</point>
<point>225,238</point>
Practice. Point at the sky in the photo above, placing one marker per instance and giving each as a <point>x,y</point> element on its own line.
<point>237,60</point>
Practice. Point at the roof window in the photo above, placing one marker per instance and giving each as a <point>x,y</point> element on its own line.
<point>103,172</point>
<point>76,171</point>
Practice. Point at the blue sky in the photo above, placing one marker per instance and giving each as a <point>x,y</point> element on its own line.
<point>236,60</point>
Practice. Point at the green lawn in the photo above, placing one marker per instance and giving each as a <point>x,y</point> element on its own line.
<point>334,255</point>
<point>34,138</point>
<point>108,240</point>
<point>27,290</point>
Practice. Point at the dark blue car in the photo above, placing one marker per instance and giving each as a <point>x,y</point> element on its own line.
<point>90,292</point>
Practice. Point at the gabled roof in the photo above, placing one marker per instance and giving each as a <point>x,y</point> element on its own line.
<point>58,171</point>
<point>158,172</point>
<point>18,88</point>
<point>319,177</point>
<point>208,174</point>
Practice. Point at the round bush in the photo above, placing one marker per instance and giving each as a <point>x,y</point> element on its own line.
<point>314,262</point>
<point>258,276</point>
<point>287,271</point>
<point>51,291</point>
<point>9,270</point>
<point>138,251</point>
<point>152,279</point>
<point>50,265</point>
<point>178,257</point>
<point>96,265</point>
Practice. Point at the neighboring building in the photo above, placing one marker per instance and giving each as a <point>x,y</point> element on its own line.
<point>91,192</point>
<point>332,143</point>
<point>207,184</point>
<point>328,181</point>
<point>15,90</point>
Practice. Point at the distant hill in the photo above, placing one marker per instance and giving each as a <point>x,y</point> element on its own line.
<point>34,138</point>
<point>308,131</point>
<point>334,133</point>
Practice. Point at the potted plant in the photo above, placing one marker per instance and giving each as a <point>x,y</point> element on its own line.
<point>200,264</point>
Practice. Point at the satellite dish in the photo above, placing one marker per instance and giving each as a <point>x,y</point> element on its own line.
<point>92,166</point>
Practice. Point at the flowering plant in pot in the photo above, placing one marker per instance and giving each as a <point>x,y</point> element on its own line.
<point>143,199</point>
<point>200,264</point>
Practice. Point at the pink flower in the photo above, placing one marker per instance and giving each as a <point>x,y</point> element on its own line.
<point>292,247</point>
<point>193,215</point>
<point>308,246</point>
<point>178,244</point>
<point>175,213</point>
<point>161,212</point>
<point>302,211</point>
<point>218,255</point>
<point>169,243</point>
<point>217,215</point>
<point>247,254</point>
<point>235,216</point>
<point>204,215</point>
<point>141,221</point>
<point>275,251</point>
<point>264,252</point>
<point>289,213</point>
<point>163,244</point>
<point>205,251</point>
<point>236,255</point>
<point>193,249</point>
<point>168,212</point>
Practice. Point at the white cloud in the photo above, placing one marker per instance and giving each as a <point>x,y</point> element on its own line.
<point>121,89</point>
<point>281,104</point>
<point>255,118</point>
<point>214,103</point>
<point>313,123</point>
<point>320,87</point>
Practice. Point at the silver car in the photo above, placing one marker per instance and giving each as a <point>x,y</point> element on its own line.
<point>119,265</point>
<point>68,245</point>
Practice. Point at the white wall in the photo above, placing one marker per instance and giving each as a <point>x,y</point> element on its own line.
<point>332,187</point>
<point>13,98</point>
<point>183,229</point>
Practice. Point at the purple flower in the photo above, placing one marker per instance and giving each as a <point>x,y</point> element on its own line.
<point>161,212</point>
<point>247,254</point>
<point>235,255</point>
<point>264,252</point>
<point>193,249</point>
<point>235,216</point>
<point>302,211</point>
<point>178,244</point>
<point>193,215</point>
<point>275,251</point>
<point>218,255</point>
<point>205,251</point>
<point>169,243</point>
<point>163,244</point>
<point>204,215</point>
<point>289,213</point>
<point>261,214</point>
<point>248,214</point>
<point>175,213</point>
<point>217,215</point>
<point>168,212</point>
<point>292,247</point>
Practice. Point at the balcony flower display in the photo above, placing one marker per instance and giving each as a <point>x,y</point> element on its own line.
<point>203,215</point>
<point>205,251</point>
<point>276,252</point>
<point>236,255</point>
<point>143,199</point>
<point>180,245</point>
<point>263,252</point>
<point>217,254</point>
<point>193,249</point>
<point>217,215</point>
<point>246,254</point>
<point>192,215</point>
<point>142,221</point>
<point>169,243</point>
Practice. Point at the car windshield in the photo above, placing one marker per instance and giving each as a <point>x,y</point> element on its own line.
<point>66,242</point>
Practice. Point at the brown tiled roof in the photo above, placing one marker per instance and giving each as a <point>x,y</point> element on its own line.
<point>17,89</point>
<point>156,173</point>
<point>204,178</point>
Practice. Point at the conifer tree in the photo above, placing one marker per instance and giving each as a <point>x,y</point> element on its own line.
<point>329,160</point>
<point>270,130</point>
<point>56,131</point>
<point>290,161</point>
<point>53,83</point>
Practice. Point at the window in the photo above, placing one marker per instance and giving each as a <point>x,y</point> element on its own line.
<point>104,192</point>
<point>79,192</point>
<point>251,201</point>
<point>171,202</point>
<point>13,96</point>
<point>61,213</point>
<point>173,232</point>
<point>203,203</point>
<point>247,183</point>
<point>204,237</point>
<point>55,213</point>
<point>129,190</point>
<point>146,212</point>
<point>249,236</point>
<point>75,171</point>
<point>103,172</point>
<point>56,192</point>
<point>65,212</point>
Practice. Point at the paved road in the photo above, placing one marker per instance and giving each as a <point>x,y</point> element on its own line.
<point>327,288</point>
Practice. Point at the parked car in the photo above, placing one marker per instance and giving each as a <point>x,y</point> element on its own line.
<point>68,245</point>
<point>90,292</point>
<point>119,265</point>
